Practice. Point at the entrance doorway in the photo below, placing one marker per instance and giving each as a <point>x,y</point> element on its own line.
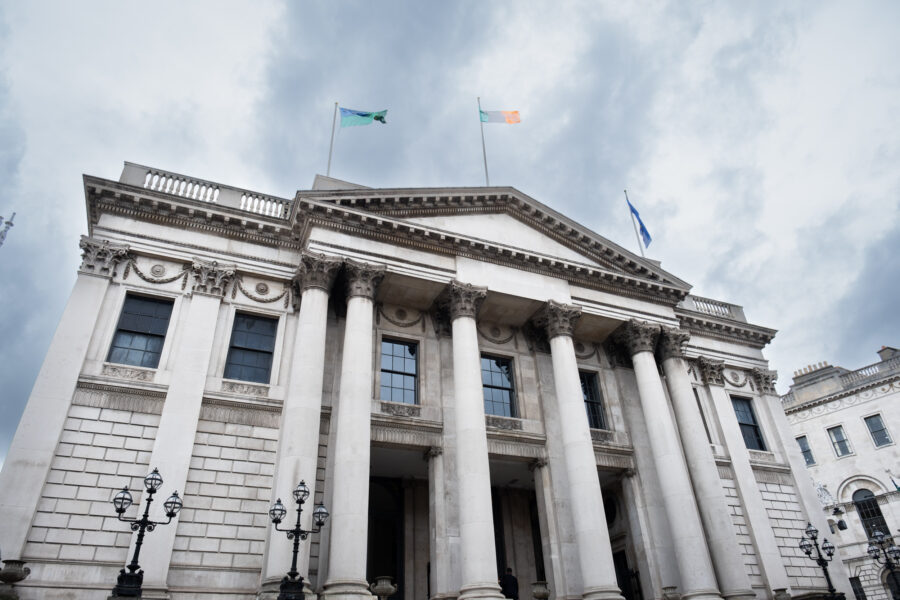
<point>385,544</point>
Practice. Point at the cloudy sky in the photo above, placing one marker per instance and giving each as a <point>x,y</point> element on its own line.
<point>761,141</point>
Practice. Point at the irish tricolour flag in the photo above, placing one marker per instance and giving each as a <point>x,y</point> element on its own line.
<point>500,116</point>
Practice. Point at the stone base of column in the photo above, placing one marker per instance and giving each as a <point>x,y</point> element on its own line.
<point>347,589</point>
<point>602,593</point>
<point>270,589</point>
<point>475,591</point>
<point>739,595</point>
<point>712,594</point>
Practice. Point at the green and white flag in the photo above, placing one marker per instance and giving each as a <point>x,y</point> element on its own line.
<point>352,118</point>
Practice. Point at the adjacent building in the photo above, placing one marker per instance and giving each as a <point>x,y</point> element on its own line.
<point>846,425</point>
<point>469,381</point>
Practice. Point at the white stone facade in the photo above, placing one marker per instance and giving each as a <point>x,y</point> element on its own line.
<point>661,498</point>
<point>824,398</point>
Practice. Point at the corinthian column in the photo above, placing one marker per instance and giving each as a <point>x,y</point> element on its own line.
<point>595,558</point>
<point>691,552</point>
<point>476,521</point>
<point>34,444</point>
<point>726,553</point>
<point>298,448</point>
<point>350,503</point>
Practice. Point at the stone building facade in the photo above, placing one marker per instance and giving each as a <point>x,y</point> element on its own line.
<point>846,425</point>
<point>468,380</point>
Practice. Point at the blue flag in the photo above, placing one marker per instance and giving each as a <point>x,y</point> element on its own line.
<point>645,235</point>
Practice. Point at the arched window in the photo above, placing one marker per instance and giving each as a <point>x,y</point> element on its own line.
<point>869,513</point>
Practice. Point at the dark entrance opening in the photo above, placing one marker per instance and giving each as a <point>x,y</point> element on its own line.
<point>626,577</point>
<point>385,547</point>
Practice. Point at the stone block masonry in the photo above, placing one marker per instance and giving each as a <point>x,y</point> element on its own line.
<point>788,523</point>
<point>100,451</point>
<point>742,530</point>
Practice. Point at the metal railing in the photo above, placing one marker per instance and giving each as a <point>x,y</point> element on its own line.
<point>193,188</point>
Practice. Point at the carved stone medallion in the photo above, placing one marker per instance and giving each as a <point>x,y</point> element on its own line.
<point>157,270</point>
<point>558,318</point>
<point>100,257</point>
<point>210,277</point>
<point>637,336</point>
<point>262,289</point>
<point>671,343</point>
<point>712,371</point>
<point>317,271</point>
<point>362,279</point>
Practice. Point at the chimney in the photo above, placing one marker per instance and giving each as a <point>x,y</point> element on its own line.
<point>887,353</point>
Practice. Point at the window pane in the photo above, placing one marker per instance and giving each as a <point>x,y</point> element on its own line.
<point>498,389</point>
<point>252,348</point>
<point>879,433</point>
<point>141,332</point>
<point>743,410</point>
<point>399,371</point>
<point>839,441</point>
<point>805,449</point>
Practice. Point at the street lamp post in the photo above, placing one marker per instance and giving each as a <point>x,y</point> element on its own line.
<point>292,584</point>
<point>129,583</point>
<point>807,543</point>
<point>884,552</point>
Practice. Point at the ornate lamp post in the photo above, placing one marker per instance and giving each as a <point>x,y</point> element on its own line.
<point>807,543</point>
<point>884,552</point>
<point>292,584</point>
<point>129,584</point>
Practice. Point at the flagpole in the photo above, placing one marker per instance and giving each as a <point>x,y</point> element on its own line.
<point>331,147</point>
<point>487,180</point>
<point>634,222</point>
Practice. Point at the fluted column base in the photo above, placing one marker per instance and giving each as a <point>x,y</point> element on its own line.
<point>747,594</point>
<point>474,591</point>
<point>709,594</point>
<point>347,589</point>
<point>602,593</point>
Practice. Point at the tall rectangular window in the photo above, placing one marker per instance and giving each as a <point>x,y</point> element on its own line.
<point>743,408</point>
<point>252,347</point>
<point>141,331</point>
<point>593,401</point>
<point>497,386</point>
<point>879,432</point>
<point>399,371</point>
<point>805,449</point>
<point>839,440</point>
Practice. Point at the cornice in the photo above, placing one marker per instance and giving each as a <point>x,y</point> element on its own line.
<point>887,381</point>
<point>727,330</point>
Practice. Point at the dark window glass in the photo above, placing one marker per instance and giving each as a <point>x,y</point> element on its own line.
<point>141,332</point>
<point>879,432</point>
<point>870,513</point>
<point>497,386</point>
<point>593,401</point>
<point>399,370</point>
<point>805,449</point>
<point>858,592</point>
<point>743,408</point>
<point>839,441</point>
<point>251,349</point>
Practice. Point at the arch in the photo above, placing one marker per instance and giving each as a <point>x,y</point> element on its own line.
<point>858,482</point>
<point>870,514</point>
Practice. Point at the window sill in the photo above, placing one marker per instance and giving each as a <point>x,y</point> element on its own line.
<point>121,371</point>
<point>245,388</point>
<point>401,409</point>
<point>507,423</point>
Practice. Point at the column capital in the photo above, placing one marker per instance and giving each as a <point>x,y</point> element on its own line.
<point>362,278</point>
<point>432,452</point>
<point>316,271</point>
<point>210,277</point>
<point>463,299</point>
<point>558,318</point>
<point>100,257</point>
<point>637,336</point>
<point>712,371</point>
<point>764,379</point>
<point>671,342</point>
<point>537,463</point>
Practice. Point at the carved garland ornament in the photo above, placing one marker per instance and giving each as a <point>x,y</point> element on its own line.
<point>100,257</point>
<point>671,342</point>
<point>712,371</point>
<point>156,275</point>
<point>239,285</point>
<point>400,314</point>
<point>210,277</point>
<point>638,336</point>
<point>362,279</point>
<point>558,319</point>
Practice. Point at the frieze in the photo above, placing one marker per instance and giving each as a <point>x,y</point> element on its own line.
<point>210,277</point>
<point>245,389</point>
<point>736,378</point>
<point>119,398</point>
<point>316,271</point>
<point>607,460</point>
<point>671,343</point>
<point>128,372</point>
<point>712,371</point>
<point>506,423</point>
<point>840,402</point>
<point>261,288</point>
<point>558,319</point>
<point>603,436</point>
<point>362,278</point>
<point>401,410</point>
<point>494,334</point>
<point>100,257</point>
<point>637,336</point>
<point>399,317</point>
<point>157,273</point>
<point>765,380</point>
<point>506,447</point>
<point>391,433</point>
<point>232,412</point>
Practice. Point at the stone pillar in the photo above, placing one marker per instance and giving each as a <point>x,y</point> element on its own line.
<point>595,558</point>
<point>350,501</point>
<point>478,561</point>
<point>174,441</point>
<point>726,553</point>
<point>298,447</point>
<point>550,538</point>
<point>770,561</point>
<point>34,444</point>
<point>691,552</point>
<point>437,525</point>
